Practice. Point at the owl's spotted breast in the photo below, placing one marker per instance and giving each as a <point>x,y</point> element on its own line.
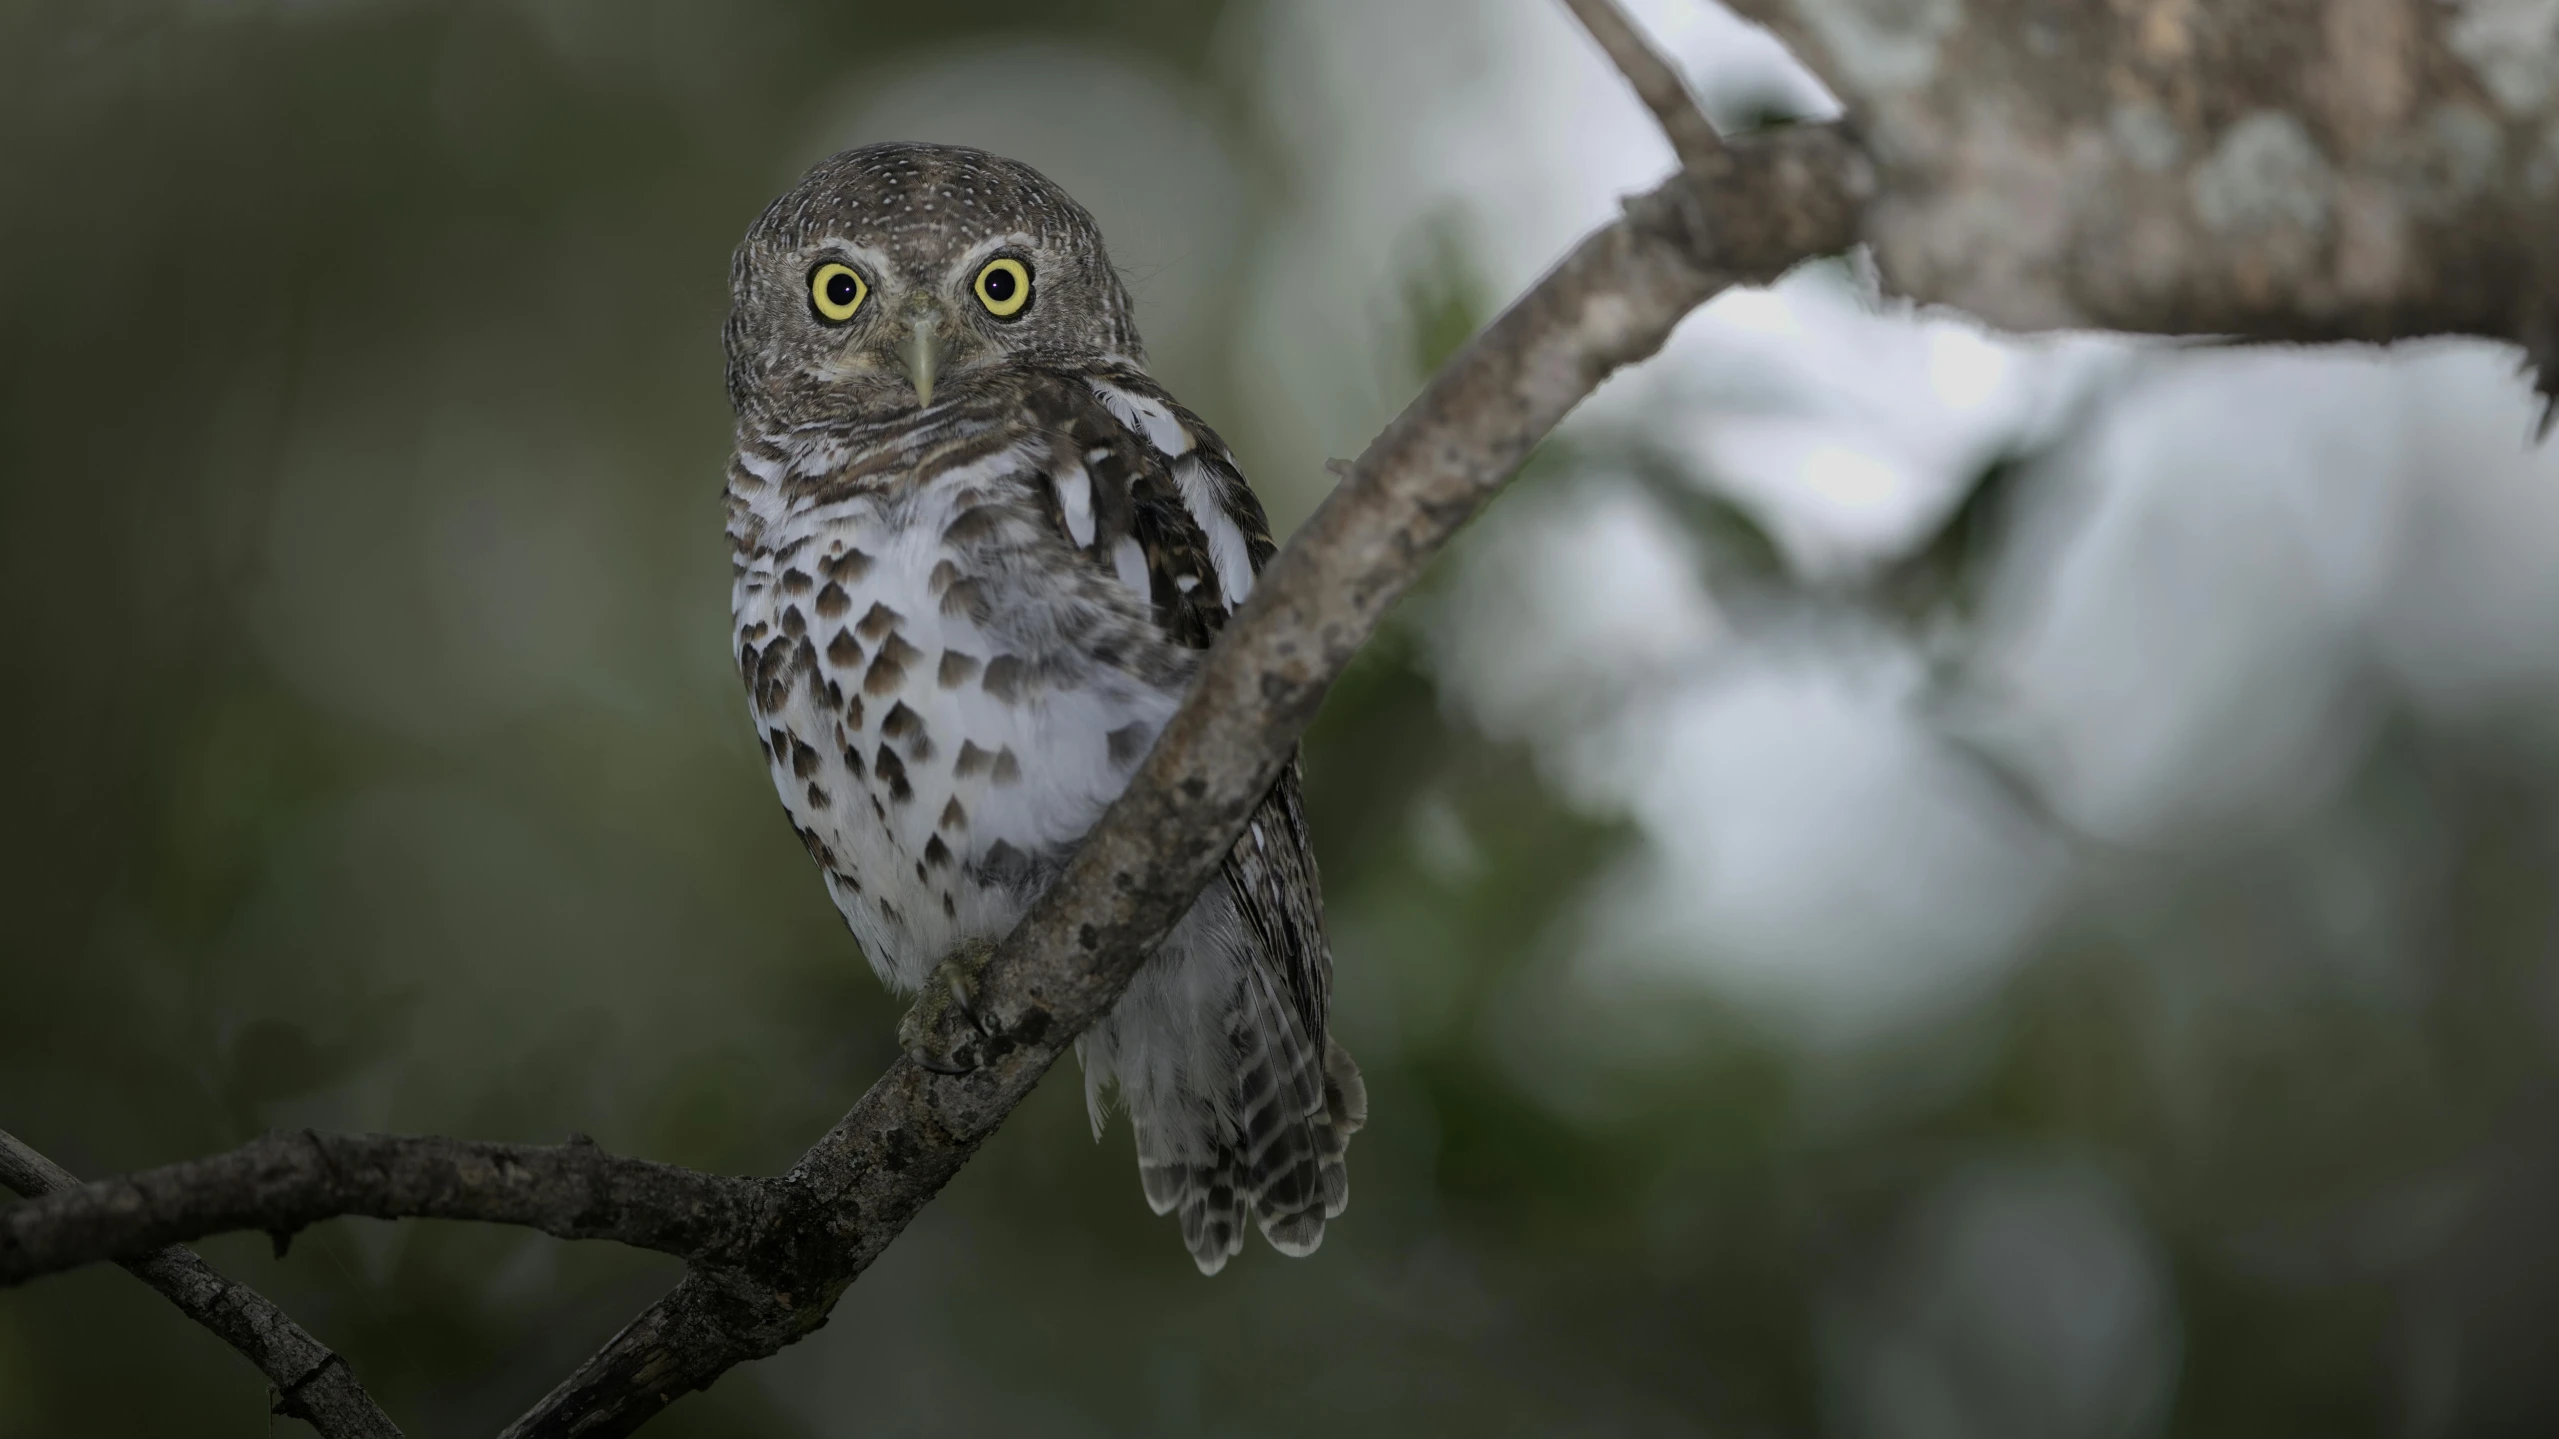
<point>949,688</point>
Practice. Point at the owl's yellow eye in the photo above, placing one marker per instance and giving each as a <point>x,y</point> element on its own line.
<point>1004,287</point>
<point>837,292</point>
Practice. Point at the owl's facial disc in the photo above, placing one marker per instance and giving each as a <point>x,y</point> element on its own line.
<point>902,275</point>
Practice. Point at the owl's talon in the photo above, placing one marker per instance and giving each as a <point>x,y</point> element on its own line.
<point>942,1031</point>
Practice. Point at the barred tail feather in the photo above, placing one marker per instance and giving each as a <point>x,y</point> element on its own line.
<point>1345,1111</point>
<point>1206,1196</point>
<point>1276,1099</point>
<point>1273,1146</point>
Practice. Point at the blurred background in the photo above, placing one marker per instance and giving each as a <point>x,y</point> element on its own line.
<point>1901,885</point>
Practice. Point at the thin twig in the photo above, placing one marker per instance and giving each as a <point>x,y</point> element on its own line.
<point>1786,21</point>
<point>1692,136</point>
<point>311,1381</point>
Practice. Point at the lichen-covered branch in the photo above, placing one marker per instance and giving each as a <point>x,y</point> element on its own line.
<point>282,1182</point>
<point>2286,170</point>
<point>312,1382</point>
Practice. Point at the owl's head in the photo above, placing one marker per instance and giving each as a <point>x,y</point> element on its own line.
<point>891,272</point>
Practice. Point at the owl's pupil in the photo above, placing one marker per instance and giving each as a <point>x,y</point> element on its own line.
<point>840,289</point>
<point>999,285</point>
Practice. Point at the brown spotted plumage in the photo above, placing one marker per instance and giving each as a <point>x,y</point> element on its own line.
<point>978,554</point>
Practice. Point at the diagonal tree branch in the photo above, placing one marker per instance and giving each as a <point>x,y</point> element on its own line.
<point>312,1381</point>
<point>283,1182</point>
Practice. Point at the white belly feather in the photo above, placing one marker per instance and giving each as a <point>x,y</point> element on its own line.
<point>935,750</point>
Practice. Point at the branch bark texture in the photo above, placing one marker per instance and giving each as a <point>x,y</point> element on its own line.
<point>2288,170</point>
<point>283,1182</point>
<point>312,1382</point>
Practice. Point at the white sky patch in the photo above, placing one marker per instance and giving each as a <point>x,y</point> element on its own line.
<point>2470,622</point>
<point>2185,652</point>
<point>1567,607</point>
<point>1730,63</point>
<point>1845,428</point>
<point>1495,122</point>
<point>1762,313</point>
<point>1965,368</point>
<point>1854,483</point>
<point>1813,853</point>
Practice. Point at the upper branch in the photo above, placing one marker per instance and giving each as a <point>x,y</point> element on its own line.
<point>2286,170</point>
<point>281,1182</point>
<point>312,1382</point>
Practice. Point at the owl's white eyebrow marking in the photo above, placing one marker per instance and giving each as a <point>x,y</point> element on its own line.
<point>875,262</point>
<point>964,269</point>
<point>1145,416</point>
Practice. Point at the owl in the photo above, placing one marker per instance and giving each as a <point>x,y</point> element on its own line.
<point>978,554</point>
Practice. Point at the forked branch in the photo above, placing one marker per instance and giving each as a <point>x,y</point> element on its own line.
<point>312,1382</point>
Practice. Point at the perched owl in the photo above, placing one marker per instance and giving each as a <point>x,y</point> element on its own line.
<point>978,555</point>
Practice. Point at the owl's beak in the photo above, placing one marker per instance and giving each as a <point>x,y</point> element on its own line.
<point>923,349</point>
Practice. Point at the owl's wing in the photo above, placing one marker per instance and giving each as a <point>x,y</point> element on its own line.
<point>1169,507</point>
<point>1152,493</point>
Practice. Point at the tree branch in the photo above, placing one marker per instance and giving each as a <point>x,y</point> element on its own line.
<point>282,1182</point>
<point>312,1382</point>
<point>1657,82</point>
<point>2284,170</point>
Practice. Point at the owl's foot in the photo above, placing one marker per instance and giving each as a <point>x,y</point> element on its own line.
<point>942,1030</point>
